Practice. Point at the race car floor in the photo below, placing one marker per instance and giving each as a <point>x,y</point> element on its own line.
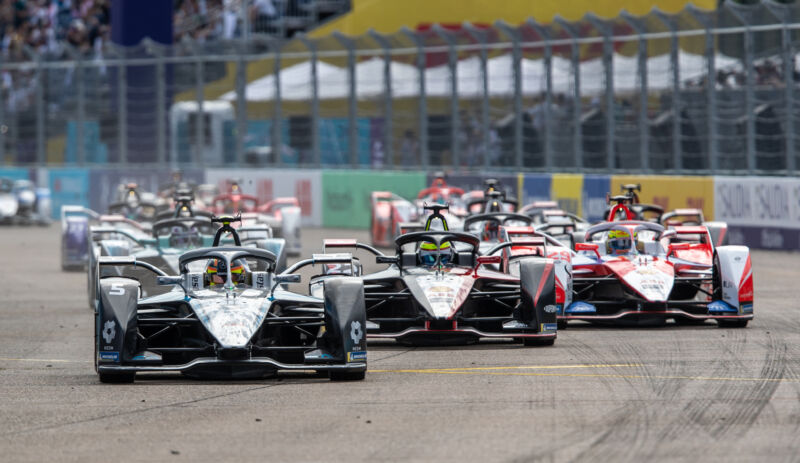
<point>600,394</point>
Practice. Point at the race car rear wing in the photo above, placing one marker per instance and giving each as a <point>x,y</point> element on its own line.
<point>71,211</point>
<point>102,229</point>
<point>348,244</point>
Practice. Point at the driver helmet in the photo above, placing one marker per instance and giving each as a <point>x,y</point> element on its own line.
<point>490,230</point>
<point>216,272</point>
<point>428,253</point>
<point>618,242</point>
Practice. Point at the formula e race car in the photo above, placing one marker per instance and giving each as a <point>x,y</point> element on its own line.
<point>22,203</point>
<point>641,273</point>
<point>437,290</point>
<point>283,215</point>
<point>637,210</point>
<point>227,315</point>
<point>171,238</point>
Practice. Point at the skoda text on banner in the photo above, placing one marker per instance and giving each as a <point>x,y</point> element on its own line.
<point>762,212</point>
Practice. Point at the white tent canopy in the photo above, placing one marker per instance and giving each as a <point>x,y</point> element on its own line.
<point>333,80</point>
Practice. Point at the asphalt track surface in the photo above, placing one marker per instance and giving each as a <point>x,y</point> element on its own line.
<point>600,394</point>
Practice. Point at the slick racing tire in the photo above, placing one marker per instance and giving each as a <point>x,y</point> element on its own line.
<point>116,378</point>
<point>347,375</point>
<point>535,342</point>
<point>562,325</point>
<point>732,323</point>
<point>683,321</point>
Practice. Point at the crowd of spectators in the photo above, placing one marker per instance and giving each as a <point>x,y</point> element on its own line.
<point>45,25</point>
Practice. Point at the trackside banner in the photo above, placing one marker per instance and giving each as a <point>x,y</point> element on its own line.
<point>268,184</point>
<point>671,192</point>
<point>762,212</point>
<point>346,194</point>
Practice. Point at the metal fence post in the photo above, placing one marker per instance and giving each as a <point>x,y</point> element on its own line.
<point>161,105</point>
<point>315,153</point>
<point>423,106</point>
<point>277,116</point>
<point>41,139</point>
<point>481,37</point>
<point>3,122</point>
<point>516,56</point>
<point>545,35</point>
<point>452,63</point>
<point>352,100</point>
<point>80,95</point>
<point>577,139</point>
<point>742,13</point>
<point>387,96</point>
<point>241,102</point>
<point>711,91</point>
<point>122,105</point>
<point>608,67</point>
<point>784,14</point>
<point>641,70</point>
<point>677,148</point>
<point>200,97</point>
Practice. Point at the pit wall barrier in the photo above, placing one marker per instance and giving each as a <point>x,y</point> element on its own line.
<point>762,212</point>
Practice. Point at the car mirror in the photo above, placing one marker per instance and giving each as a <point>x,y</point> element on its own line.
<point>589,247</point>
<point>488,260</point>
<point>287,278</point>
<point>387,260</point>
<point>168,280</point>
<point>677,247</point>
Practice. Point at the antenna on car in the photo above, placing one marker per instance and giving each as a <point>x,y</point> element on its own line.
<point>226,227</point>
<point>436,213</point>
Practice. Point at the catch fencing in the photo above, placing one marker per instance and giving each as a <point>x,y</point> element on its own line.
<point>696,92</point>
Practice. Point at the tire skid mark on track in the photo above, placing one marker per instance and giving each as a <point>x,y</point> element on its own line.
<point>738,405</point>
<point>148,409</point>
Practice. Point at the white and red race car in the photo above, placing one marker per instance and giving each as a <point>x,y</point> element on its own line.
<point>642,273</point>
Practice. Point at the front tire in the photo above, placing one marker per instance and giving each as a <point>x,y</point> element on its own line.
<point>536,342</point>
<point>116,378</point>
<point>348,375</point>
<point>732,323</point>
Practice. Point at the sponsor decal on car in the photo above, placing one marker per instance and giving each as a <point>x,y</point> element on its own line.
<point>357,356</point>
<point>548,327</point>
<point>356,333</point>
<point>109,356</point>
<point>550,308</point>
<point>746,308</point>
<point>109,331</point>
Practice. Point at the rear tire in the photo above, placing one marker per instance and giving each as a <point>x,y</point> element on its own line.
<point>682,321</point>
<point>562,324</point>
<point>116,378</point>
<point>536,342</point>
<point>732,323</point>
<point>347,375</point>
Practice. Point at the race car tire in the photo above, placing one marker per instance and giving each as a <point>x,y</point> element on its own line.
<point>732,323</point>
<point>536,342</point>
<point>562,324</point>
<point>683,321</point>
<point>116,378</point>
<point>348,375</point>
